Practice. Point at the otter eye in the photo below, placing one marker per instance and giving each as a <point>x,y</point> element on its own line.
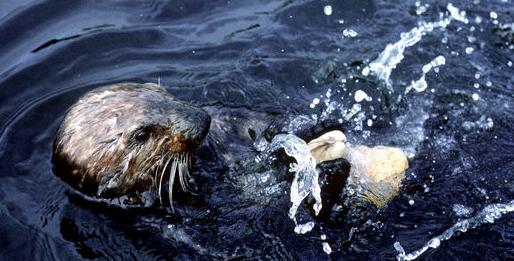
<point>141,135</point>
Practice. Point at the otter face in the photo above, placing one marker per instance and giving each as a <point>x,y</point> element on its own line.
<point>127,138</point>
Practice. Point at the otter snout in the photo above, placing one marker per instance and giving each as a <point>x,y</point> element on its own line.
<point>191,121</point>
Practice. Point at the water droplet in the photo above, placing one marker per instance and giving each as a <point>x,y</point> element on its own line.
<point>349,33</point>
<point>365,71</point>
<point>327,10</point>
<point>360,95</point>
<point>326,248</point>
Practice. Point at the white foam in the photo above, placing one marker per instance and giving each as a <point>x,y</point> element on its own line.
<point>488,215</point>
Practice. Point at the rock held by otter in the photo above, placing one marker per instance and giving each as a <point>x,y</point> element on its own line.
<point>379,170</point>
<point>126,139</point>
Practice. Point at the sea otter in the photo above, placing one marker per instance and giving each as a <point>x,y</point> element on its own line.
<point>122,140</point>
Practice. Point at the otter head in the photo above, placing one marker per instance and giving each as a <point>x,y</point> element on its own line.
<point>127,138</point>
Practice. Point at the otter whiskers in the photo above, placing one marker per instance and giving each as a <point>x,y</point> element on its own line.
<point>179,163</point>
<point>161,176</point>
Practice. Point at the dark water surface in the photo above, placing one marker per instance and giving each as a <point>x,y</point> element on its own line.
<point>247,63</point>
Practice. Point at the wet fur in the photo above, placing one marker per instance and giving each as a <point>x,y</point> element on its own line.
<point>128,138</point>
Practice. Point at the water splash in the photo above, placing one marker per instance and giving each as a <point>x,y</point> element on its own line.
<point>392,55</point>
<point>305,181</point>
<point>461,210</point>
<point>420,9</point>
<point>304,228</point>
<point>488,215</point>
<point>421,84</point>
<point>456,14</point>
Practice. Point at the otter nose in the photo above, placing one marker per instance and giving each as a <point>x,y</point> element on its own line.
<point>191,121</point>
